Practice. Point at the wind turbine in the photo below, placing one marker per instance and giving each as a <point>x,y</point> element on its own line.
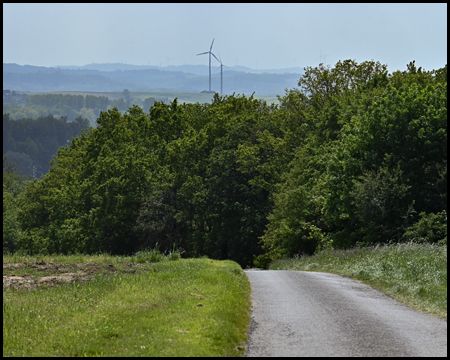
<point>210,53</point>
<point>324,57</point>
<point>168,60</point>
<point>221,75</point>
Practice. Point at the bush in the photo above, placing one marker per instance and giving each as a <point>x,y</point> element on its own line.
<point>430,228</point>
<point>174,255</point>
<point>149,255</point>
<point>34,242</point>
<point>262,261</point>
<point>155,255</point>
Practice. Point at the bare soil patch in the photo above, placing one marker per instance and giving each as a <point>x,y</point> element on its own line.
<point>45,274</point>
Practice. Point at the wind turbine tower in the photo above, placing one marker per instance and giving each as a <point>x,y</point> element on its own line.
<point>221,75</point>
<point>210,53</point>
<point>324,57</point>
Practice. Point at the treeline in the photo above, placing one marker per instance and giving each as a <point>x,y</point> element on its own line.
<point>373,166</point>
<point>72,106</point>
<point>31,143</point>
<point>354,156</point>
<point>170,178</point>
<point>75,102</point>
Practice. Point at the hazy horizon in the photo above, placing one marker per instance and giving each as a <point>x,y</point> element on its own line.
<point>140,65</point>
<point>257,36</point>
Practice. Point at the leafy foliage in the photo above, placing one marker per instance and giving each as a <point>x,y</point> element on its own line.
<point>379,198</point>
<point>429,228</point>
<point>174,177</point>
<point>31,143</point>
<point>351,157</point>
<point>375,157</point>
<point>13,184</point>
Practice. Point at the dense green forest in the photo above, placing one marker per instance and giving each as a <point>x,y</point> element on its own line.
<point>32,143</point>
<point>35,126</point>
<point>355,155</point>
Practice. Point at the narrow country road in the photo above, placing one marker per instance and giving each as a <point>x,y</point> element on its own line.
<point>298,313</point>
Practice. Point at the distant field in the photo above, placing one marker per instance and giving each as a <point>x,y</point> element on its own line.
<point>182,97</point>
<point>110,95</point>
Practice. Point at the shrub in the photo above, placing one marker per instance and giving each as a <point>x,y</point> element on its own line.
<point>149,255</point>
<point>429,228</point>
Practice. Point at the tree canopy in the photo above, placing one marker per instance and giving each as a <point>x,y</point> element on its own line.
<point>355,155</point>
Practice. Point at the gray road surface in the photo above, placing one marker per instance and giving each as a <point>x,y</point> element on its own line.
<point>298,313</point>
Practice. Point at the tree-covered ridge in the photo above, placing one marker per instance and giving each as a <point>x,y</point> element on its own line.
<point>354,155</point>
<point>31,143</point>
<point>68,106</point>
<point>33,132</point>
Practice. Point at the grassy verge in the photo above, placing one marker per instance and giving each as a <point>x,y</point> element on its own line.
<point>189,307</point>
<point>415,274</point>
<point>145,256</point>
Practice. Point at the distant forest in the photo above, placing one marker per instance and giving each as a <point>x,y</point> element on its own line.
<point>32,143</point>
<point>34,127</point>
<point>20,105</point>
<point>33,78</point>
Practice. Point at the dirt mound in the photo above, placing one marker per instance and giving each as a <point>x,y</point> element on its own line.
<point>41,274</point>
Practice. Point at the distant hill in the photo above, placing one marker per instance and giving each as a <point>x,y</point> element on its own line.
<point>62,81</point>
<point>15,68</point>
<point>193,69</point>
<point>116,77</point>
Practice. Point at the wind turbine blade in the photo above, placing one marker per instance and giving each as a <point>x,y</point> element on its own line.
<point>211,45</point>
<point>215,57</point>
<point>204,53</point>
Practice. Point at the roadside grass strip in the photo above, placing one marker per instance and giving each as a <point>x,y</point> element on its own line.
<point>188,307</point>
<point>415,274</point>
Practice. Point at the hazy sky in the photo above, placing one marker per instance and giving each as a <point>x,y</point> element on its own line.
<point>261,36</point>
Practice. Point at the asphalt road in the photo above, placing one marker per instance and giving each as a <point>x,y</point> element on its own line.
<point>298,313</point>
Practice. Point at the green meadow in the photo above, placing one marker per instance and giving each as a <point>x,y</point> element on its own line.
<point>185,307</point>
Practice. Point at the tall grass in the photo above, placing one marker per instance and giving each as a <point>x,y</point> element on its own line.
<point>190,307</point>
<point>415,274</point>
<point>144,256</point>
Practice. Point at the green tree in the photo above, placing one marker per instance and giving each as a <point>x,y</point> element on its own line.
<point>126,95</point>
<point>430,228</point>
<point>321,83</point>
<point>380,203</point>
<point>374,155</point>
<point>33,142</point>
<point>148,103</point>
<point>347,157</point>
<point>13,184</point>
